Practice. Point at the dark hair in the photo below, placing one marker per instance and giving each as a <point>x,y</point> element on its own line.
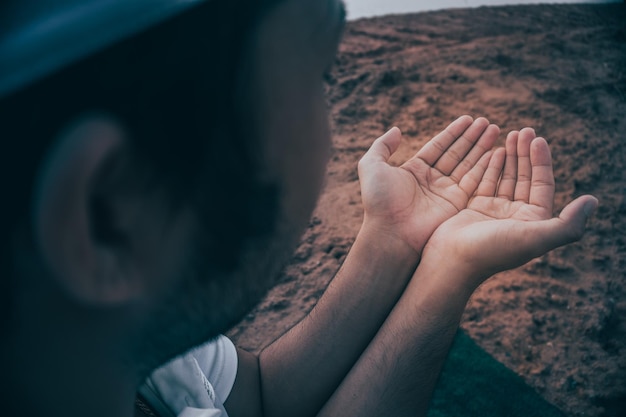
<point>174,88</point>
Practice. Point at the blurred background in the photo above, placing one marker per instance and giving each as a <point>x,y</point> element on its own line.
<point>368,8</point>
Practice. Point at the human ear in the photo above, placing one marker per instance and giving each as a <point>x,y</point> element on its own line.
<point>82,240</point>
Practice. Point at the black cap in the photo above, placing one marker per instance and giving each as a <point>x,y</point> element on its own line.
<point>38,37</point>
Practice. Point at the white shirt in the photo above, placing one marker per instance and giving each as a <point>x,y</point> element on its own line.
<point>196,384</point>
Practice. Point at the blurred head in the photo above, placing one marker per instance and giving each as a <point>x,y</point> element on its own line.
<point>165,178</point>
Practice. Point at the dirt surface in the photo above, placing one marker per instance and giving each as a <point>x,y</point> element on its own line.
<point>559,321</point>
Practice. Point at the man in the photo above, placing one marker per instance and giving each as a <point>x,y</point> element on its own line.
<point>162,172</point>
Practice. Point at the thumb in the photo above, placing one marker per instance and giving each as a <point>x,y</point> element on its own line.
<point>383,147</point>
<point>578,211</point>
<point>570,225</point>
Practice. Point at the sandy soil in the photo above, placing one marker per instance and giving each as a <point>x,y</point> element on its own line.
<point>560,321</point>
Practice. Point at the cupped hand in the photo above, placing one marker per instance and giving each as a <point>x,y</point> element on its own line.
<point>510,219</point>
<point>410,201</point>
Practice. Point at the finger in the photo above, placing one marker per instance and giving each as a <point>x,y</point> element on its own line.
<point>484,144</point>
<point>542,182</point>
<point>472,180</point>
<point>524,167</point>
<point>383,147</point>
<point>574,217</point>
<point>460,147</point>
<point>506,188</point>
<point>489,182</point>
<point>434,148</point>
<point>567,228</point>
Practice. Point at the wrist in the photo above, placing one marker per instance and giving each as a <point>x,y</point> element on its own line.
<point>391,239</point>
<point>381,260</point>
<point>447,270</point>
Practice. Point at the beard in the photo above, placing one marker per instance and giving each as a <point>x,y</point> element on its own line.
<point>206,303</point>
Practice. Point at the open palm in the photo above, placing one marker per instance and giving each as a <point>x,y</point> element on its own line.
<point>412,200</point>
<point>509,221</point>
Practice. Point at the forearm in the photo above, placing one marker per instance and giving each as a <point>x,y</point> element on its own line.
<point>397,373</point>
<point>302,369</point>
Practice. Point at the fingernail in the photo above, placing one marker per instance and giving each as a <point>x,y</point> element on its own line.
<point>590,207</point>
